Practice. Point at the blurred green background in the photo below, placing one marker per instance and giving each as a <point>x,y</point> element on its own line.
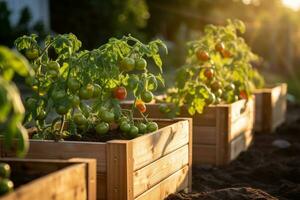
<point>273,29</point>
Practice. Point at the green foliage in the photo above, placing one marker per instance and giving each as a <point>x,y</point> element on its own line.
<point>11,107</point>
<point>90,84</point>
<point>218,69</point>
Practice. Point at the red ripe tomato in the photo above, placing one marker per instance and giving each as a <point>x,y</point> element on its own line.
<point>243,95</point>
<point>202,55</point>
<point>140,105</point>
<point>220,47</point>
<point>120,93</point>
<point>209,73</point>
<point>226,54</point>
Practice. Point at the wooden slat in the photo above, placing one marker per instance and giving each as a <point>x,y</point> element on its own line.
<point>240,144</point>
<point>101,186</point>
<point>241,125</point>
<point>91,176</point>
<point>204,134</point>
<point>119,170</point>
<point>240,107</point>
<point>176,182</point>
<point>150,147</point>
<point>204,154</point>
<point>222,134</point>
<point>157,171</point>
<point>68,183</point>
<point>47,149</point>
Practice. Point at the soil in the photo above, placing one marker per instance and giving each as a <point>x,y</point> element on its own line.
<point>264,172</point>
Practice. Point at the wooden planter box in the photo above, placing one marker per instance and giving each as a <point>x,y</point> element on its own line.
<point>148,167</point>
<point>220,133</point>
<point>52,179</point>
<point>270,107</point>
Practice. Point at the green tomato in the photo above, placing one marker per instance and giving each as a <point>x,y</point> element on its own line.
<point>6,186</point>
<point>140,64</point>
<point>73,84</point>
<point>97,90</point>
<point>152,126</point>
<point>31,81</point>
<point>133,132</point>
<point>210,99</point>
<point>218,93</point>
<point>127,64</point>
<point>74,99</point>
<point>225,96</point>
<point>4,170</point>
<point>52,73</point>
<point>218,100</point>
<point>230,87</point>
<point>102,128</point>
<point>108,116</point>
<point>147,96</point>
<point>53,65</point>
<point>58,94</point>
<point>80,119</point>
<point>125,127</point>
<point>142,128</point>
<point>62,109</point>
<point>32,53</point>
<point>86,92</point>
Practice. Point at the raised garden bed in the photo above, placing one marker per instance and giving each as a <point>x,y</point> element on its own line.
<point>148,167</point>
<point>220,133</point>
<point>270,107</point>
<point>52,179</point>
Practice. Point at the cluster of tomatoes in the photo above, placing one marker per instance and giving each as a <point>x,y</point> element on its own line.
<point>6,185</point>
<point>75,92</point>
<point>218,91</point>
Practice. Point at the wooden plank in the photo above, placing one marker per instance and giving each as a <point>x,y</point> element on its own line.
<point>204,134</point>
<point>119,170</point>
<point>189,189</point>
<point>157,171</point>
<point>101,186</point>
<point>150,147</point>
<point>48,149</point>
<point>174,183</point>
<point>245,122</point>
<point>222,134</point>
<point>67,183</point>
<point>240,144</point>
<point>91,176</point>
<point>204,154</point>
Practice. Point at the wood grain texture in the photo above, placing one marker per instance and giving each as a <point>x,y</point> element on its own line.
<point>152,174</point>
<point>119,170</point>
<point>150,147</point>
<point>176,182</point>
<point>60,179</point>
<point>270,107</point>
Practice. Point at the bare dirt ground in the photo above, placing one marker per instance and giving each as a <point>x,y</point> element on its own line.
<point>263,172</point>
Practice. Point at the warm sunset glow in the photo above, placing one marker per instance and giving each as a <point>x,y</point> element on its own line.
<point>294,4</point>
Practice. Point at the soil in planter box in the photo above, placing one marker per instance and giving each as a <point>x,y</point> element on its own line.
<point>265,171</point>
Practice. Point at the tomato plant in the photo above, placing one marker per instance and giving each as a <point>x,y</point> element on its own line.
<point>214,65</point>
<point>85,88</point>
